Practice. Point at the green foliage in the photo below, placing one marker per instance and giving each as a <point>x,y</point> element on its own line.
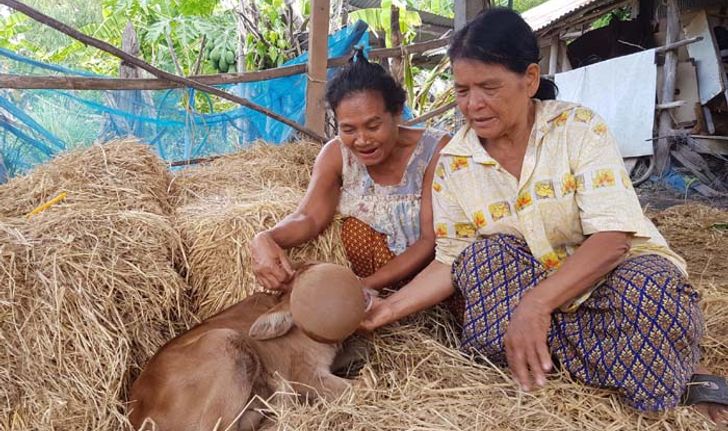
<point>620,14</point>
<point>267,44</point>
<point>520,5</point>
<point>164,27</point>
<point>26,36</point>
<point>444,8</point>
<point>426,96</point>
<point>155,21</point>
<point>379,20</point>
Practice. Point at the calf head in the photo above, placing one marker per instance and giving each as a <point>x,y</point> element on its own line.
<point>319,299</point>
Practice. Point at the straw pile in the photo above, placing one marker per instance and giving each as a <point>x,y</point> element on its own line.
<point>251,170</point>
<point>416,379</point>
<point>87,288</point>
<point>119,175</point>
<point>222,205</point>
<point>88,292</point>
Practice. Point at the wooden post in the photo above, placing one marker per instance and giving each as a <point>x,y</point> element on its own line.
<point>466,10</point>
<point>565,64</point>
<point>130,45</point>
<point>128,101</point>
<point>317,60</point>
<point>3,171</point>
<point>662,150</point>
<point>554,54</point>
<point>397,62</point>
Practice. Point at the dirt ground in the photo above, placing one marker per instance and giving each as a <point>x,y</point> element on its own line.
<point>659,197</point>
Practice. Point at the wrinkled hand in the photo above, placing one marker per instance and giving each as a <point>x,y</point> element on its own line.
<point>271,266</point>
<point>526,345</point>
<point>380,313</point>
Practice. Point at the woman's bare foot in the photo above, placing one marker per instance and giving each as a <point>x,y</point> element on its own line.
<point>718,413</point>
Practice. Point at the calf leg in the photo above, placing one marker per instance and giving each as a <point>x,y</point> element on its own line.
<point>353,356</point>
<point>330,386</point>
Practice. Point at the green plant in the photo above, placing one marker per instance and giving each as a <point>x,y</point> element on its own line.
<point>431,87</point>
<point>271,33</point>
<point>379,20</point>
<point>444,8</point>
<point>620,14</point>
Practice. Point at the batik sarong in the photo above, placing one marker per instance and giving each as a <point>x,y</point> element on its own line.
<point>637,333</point>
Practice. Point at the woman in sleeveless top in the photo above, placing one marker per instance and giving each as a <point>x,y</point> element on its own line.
<point>376,173</point>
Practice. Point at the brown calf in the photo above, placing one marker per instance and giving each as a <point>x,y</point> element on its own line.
<point>207,378</point>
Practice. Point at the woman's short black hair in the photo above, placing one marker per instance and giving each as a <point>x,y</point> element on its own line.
<point>361,75</point>
<point>500,36</point>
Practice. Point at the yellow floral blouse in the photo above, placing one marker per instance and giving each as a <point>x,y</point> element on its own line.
<point>573,183</point>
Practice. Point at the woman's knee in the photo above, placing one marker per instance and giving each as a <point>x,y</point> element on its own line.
<point>653,284</point>
<point>482,259</point>
<point>481,250</point>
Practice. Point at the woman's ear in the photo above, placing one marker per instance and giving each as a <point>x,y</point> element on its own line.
<point>533,78</point>
<point>398,115</point>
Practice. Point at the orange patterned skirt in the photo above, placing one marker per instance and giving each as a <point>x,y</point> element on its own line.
<point>367,251</point>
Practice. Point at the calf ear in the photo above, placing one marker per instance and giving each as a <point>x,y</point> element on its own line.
<point>274,323</point>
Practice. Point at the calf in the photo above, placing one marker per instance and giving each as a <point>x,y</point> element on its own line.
<point>209,376</point>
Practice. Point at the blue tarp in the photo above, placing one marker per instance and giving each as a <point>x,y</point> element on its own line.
<point>37,124</point>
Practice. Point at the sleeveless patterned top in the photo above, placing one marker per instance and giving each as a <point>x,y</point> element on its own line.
<point>393,210</point>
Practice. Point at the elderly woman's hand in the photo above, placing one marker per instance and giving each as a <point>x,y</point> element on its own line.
<point>526,344</point>
<point>380,313</point>
<point>271,267</point>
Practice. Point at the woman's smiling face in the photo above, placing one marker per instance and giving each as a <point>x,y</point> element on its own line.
<point>366,127</point>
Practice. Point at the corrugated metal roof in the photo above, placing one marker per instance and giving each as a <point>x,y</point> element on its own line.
<point>551,11</point>
<point>544,15</point>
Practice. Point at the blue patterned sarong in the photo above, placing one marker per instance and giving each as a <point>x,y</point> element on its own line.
<point>637,333</point>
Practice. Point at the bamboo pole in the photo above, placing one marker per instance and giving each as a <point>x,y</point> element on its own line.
<point>103,46</point>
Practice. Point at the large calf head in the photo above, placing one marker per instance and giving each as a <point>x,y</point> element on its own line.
<point>326,301</point>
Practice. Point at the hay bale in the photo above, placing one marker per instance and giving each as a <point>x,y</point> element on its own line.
<point>15,250</point>
<point>122,174</point>
<point>222,205</point>
<point>96,294</point>
<point>257,167</point>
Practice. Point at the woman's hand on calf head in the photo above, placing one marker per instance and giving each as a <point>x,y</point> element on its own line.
<point>271,266</point>
<point>380,313</point>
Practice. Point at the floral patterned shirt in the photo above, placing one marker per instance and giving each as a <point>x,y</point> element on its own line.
<point>573,183</point>
<point>393,210</point>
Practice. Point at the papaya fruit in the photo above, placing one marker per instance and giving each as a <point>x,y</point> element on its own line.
<point>215,54</point>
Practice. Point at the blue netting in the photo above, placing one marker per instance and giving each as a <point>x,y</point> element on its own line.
<point>37,124</point>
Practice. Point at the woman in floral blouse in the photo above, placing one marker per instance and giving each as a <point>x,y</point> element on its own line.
<point>539,227</point>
